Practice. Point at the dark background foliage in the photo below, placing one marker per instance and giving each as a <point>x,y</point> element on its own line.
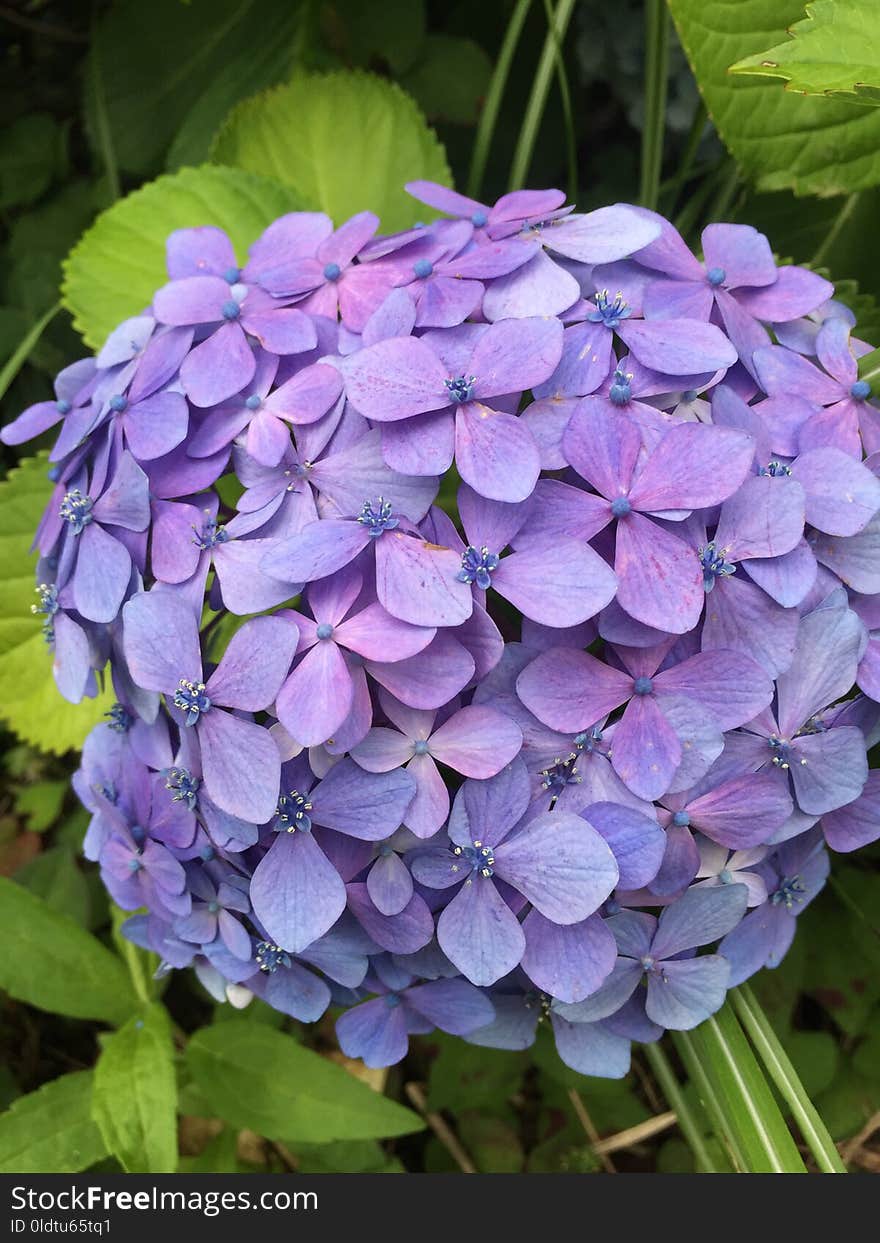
<point>165,73</point>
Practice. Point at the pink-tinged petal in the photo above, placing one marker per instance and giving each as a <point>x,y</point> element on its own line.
<point>382,750</point>
<point>669,253</point>
<point>218,368</point>
<point>515,355</point>
<point>741,252</point>
<point>782,421</point>
<point>267,438</point>
<point>842,495</point>
<point>319,549</point>
<point>539,287</point>
<point>240,764</point>
<point>308,395</point>
<point>784,373</point>
<point>584,364</point>
<point>558,510</point>
<point>196,300</point>
<point>677,346</point>
<point>296,893</point>
<point>795,292</point>
<point>389,884</point>
<point>762,519</point>
<point>735,689</point>
<point>281,330</point>
<point>858,823</point>
<point>198,251</point>
<point>447,301</point>
<point>678,300</point>
<point>834,350</point>
<point>126,500</point>
<point>480,934</point>
<point>646,750</point>
<point>742,812</point>
<point>367,806</point>
<point>570,690</point>
<point>161,640</point>
<point>429,809</point>
<point>254,664</point>
<point>477,741</point>
<point>430,678</point>
<point>568,963</point>
<point>244,585</point>
<point>660,581</point>
<point>490,523</point>
<point>786,579</point>
<point>416,581</point>
<point>813,681</point>
<point>317,697</point>
<point>855,560</point>
<point>675,476</point>
<point>562,585</point>
<point>424,445</point>
<point>156,425</point>
<point>601,236</point>
<point>741,617</point>
<point>405,933</point>
<point>444,199</point>
<point>495,453</point>
<point>561,864</point>
<point>602,448</point>
<point>396,379</point>
<point>347,476</point>
<point>349,239</point>
<point>160,362</point>
<point>103,570</point>
<point>374,634</point>
<point>745,333</point>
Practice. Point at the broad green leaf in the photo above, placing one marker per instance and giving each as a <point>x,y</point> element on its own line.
<point>450,78</point>
<point>119,263</point>
<point>393,31</point>
<point>345,142</point>
<point>29,149</point>
<point>466,1076</point>
<point>55,877</point>
<point>135,1097</point>
<point>170,71</point>
<point>781,141</point>
<point>834,51</point>
<point>256,1077</point>
<point>51,1131</point>
<point>29,700</point>
<point>50,962</point>
<point>738,1097</point>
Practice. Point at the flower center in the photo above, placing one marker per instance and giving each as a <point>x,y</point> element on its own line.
<point>477,567</point>
<point>63,407</point>
<point>475,858</point>
<point>479,219</point>
<point>77,510</point>
<point>213,907</point>
<point>118,403</point>
<point>324,631</point>
<point>643,686</point>
<point>620,392</point>
<point>253,402</point>
<point>561,773</point>
<point>861,390</point>
<point>270,957</point>
<point>191,699</point>
<point>48,607</point>
<point>725,876</point>
<point>716,277</point>
<point>230,309</point>
<point>620,507</point>
<point>460,388</point>
<point>210,535</point>
<point>120,720</point>
<point>376,517</point>
<point>790,892</point>
<point>332,272</point>
<point>713,565</point>
<point>183,785</point>
<point>292,813</point>
<point>588,741</point>
<point>609,311</point>
<point>423,268</point>
<point>681,819</point>
<point>783,756</point>
<point>420,746</point>
<point>231,276</point>
<point>776,470</point>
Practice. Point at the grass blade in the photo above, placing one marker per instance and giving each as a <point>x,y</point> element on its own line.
<point>17,360</point>
<point>489,117</point>
<point>656,71</point>
<point>687,1123</point>
<point>528,134</point>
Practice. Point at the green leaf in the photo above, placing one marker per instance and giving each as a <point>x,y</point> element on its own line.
<point>256,1077</point>
<point>740,1102</point>
<point>450,79</point>
<point>135,1097</point>
<point>393,31</point>
<point>50,962</point>
<point>119,263</point>
<point>780,140</point>
<point>345,142</point>
<point>40,803</point>
<point>28,158</point>
<point>29,700</point>
<point>171,71</point>
<point>465,1076</point>
<point>55,877</point>
<point>51,1131</point>
<point>834,51</point>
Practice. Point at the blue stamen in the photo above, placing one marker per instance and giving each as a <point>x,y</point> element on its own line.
<point>681,819</point>
<point>210,535</point>
<point>392,1001</point>
<point>460,388</point>
<point>420,747</point>
<point>643,686</point>
<point>292,813</point>
<point>588,741</point>
<point>479,219</point>
<point>376,516</point>
<point>620,393</point>
<point>423,268</point>
<point>324,631</point>
<point>191,699</point>
<point>861,390</point>
<point>253,402</point>
<point>119,403</point>
<point>477,567</point>
<point>63,407</point>
<point>609,311</point>
<point>725,876</point>
<point>776,470</point>
<point>790,892</point>
<point>332,272</point>
<point>231,275</point>
<point>48,607</point>
<point>716,277</point>
<point>620,507</point>
<point>77,510</point>
<point>713,565</point>
<point>121,719</point>
<point>270,957</point>
<point>230,309</point>
<point>183,785</point>
<point>474,859</point>
<point>782,752</point>
<point>561,773</point>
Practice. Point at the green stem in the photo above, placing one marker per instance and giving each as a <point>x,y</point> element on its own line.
<point>102,118</point>
<point>686,167</point>
<point>568,115</point>
<point>656,73</point>
<point>709,1097</point>
<point>16,361</point>
<point>687,1123</point>
<point>692,210</point>
<point>528,134</point>
<point>724,197</point>
<point>489,117</point>
<point>784,1075</point>
<point>840,221</point>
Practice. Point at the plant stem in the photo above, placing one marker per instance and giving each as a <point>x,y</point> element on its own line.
<point>687,1123</point>
<point>784,1075</point>
<point>656,70</point>
<point>709,1098</point>
<point>568,117</point>
<point>16,361</point>
<point>489,117</point>
<point>686,167</point>
<point>102,119</point>
<point>528,134</point>
<point>840,220</point>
